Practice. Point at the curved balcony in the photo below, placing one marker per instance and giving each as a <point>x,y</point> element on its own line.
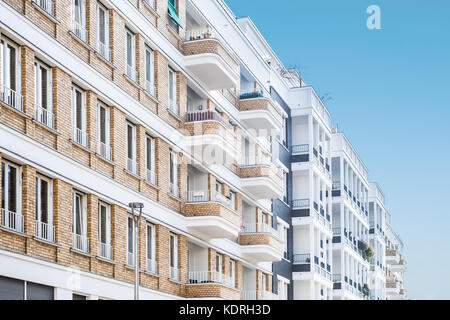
<point>211,284</point>
<point>261,242</point>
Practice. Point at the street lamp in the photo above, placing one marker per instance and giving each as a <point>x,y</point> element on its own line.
<point>136,219</point>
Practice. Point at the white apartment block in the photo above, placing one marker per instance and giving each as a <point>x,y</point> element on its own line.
<point>248,191</point>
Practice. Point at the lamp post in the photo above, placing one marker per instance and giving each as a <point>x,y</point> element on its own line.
<point>136,219</point>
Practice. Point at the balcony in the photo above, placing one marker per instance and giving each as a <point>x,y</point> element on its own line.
<point>302,208</point>
<point>11,98</point>
<point>303,154</point>
<point>351,289</point>
<point>253,295</point>
<point>207,58</point>
<point>263,180</point>
<point>261,242</point>
<point>392,257</point>
<point>308,98</point>
<point>212,214</point>
<point>260,113</point>
<point>302,263</point>
<point>12,221</point>
<point>211,139</point>
<point>45,232</point>
<point>80,243</point>
<point>393,289</point>
<point>398,267</point>
<point>208,284</point>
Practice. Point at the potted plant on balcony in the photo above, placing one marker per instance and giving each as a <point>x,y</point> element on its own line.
<point>207,33</point>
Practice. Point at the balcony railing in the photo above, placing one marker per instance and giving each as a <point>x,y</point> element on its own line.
<point>205,115</point>
<point>80,31</point>
<point>252,295</point>
<point>45,231</point>
<point>45,117</point>
<point>46,5</point>
<point>105,251</point>
<point>199,34</point>
<point>80,243</point>
<point>80,137</point>
<point>12,221</point>
<point>299,204</point>
<point>210,277</point>
<point>132,165</point>
<point>151,177</point>
<point>254,162</point>
<point>302,258</point>
<point>260,228</point>
<point>104,150</point>
<point>152,266</point>
<point>251,94</point>
<point>11,98</point>
<point>207,196</point>
<point>300,149</point>
<point>150,88</point>
<point>174,190</point>
<point>104,50</point>
<point>131,73</point>
<point>174,273</point>
<point>130,259</point>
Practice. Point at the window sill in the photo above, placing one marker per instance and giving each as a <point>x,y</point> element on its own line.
<point>134,175</point>
<point>152,185</point>
<point>106,260</point>
<point>105,159</point>
<point>15,232</point>
<point>175,197</point>
<point>51,130</point>
<point>132,81</point>
<point>176,281</point>
<point>54,244</point>
<point>84,44</point>
<point>173,114</point>
<point>21,113</point>
<point>81,253</point>
<point>152,274</point>
<point>174,32</point>
<point>151,9</point>
<point>48,15</point>
<point>76,144</point>
<point>153,97</point>
<point>109,63</point>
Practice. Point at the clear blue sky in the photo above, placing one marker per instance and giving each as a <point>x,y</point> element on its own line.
<point>390,92</point>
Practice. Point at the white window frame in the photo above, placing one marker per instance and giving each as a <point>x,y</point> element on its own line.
<point>105,44</point>
<point>38,85</point>
<point>83,128</point>
<point>131,240</point>
<point>82,31</point>
<point>49,181</point>
<point>150,70</point>
<point>130,68</point>
<point>5,74</point>
<point>5,188</point>
<point>233,272</point>
<point>173,167</point>
<point>173,99</point>
<point>133,145</point>
<point>152,241</point>
<point>150,145</point>
<point>219,263</point>
<point>173,251</point>
<point>83,214</point>
<point>107,126</point>
<point>107,222</point>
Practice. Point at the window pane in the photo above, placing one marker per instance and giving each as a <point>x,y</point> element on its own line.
<point>129,49</point>
<point>102,125</point>
<point>12,67</point>
<point>44,88</point>
<point>148,66</point>
<point>171,89</point>
<point>78,215</point>
<point>79,115</point>
<point>130,141</point>
<point>172,253</point>
<point>149,242</point>
<point>102,224</point>
<point>12,189</point>
<point>130,236</point>
<point>102,31</point>
<point>3,186</point>
<point>44,201</point>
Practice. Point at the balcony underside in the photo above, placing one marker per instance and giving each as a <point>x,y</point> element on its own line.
<point>261,247</point>
<point>214,227</point>
<point>397,267</point>
<point>392,260</point>
<point>212,70</point>
<point>261,120</point>
<point>262,187</point>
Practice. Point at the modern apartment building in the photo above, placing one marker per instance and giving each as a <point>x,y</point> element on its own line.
<point>248,193</point>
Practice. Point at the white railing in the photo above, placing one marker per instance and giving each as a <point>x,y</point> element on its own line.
<point>151,177</point>
<point>298,204</point>
<point>12,221</point>
<point>152,266</point>
<point>46,5</point>
<point>252,161</point>
<point>324,273</point>
<point>80,137</point>
<point>202,33</point>
<point>104,50</point>
<point>45,117</point>
<point>198,196</point>
<point>205,277</point>
<point>217,196</point>
<point>249,295</point>
<point>45,231</point>
<point>258,295</point>
<point>105,251</point>
<point>174,190</point>
<point>207,196</point>
<point>131,165</point>
<point>150,3</point>
<point>173,106</point>
<point>260,228</point>
<point>130,259</point>
<point>11,98</point>
<point>150,88</point>
<point>80,243</point>
<point>80,31</point>
<point>174,273</point>
<point>104,150</point>
<point>131,73</point>
<point>300,149</point>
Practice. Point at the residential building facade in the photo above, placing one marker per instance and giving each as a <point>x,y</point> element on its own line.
<point>181,106</point>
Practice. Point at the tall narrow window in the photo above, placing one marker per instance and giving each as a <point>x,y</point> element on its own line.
<point>104,147</point>
<point>43,94</point>
<point>131,148</point>
<point>151,160</point>
<point>10,75</point>
<point>233,200</point>
<point>233,272</point>
<point>44,209</point>
<point>150,71</point>
<point>173,103</point>
<point>130,241</point>
<point>79,116</point>
<point>79,19</point>
<point>131,55</point>
<point>173,255</point>
<point>79,223</point>
<point>151,249</point>
<point>104,231</point>
<point>219,264</point>
<point>284,132</point>
<point>11,197</point>
<point>173,174</point>
<point>103,32</point>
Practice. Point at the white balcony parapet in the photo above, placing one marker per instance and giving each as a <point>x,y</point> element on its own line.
<point>11,98</point>
<point>210,277</point>
<point>152,266</point>
<point>105,251</point>
<point>45,117</point>
<point>104,150</point>
<point>80,137</point>
<point>80,31</point>
<point>80,243</point>
<point>12,221</point>
<point>45,231</point>
<point>46,5</point>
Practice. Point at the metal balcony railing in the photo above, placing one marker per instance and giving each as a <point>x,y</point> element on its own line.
<point>104,50</point>
<point>45,117</point>
<point>130,259</point>
<point>207,277</point>
<point>299,204</point>
<point>12,221</point>
<point>151,177</point>
<point>132,165</point>
<point>304,258</point>
<point>46,5</point>
<point>131,73</point>
<point>80,243</point>
<point>206,115</point>
<point>173,106</point>
<point>174,190</point>
<point>45,231</point>
<point>152,266</point>
<point>11,98</point>
<point>80,31</point>
<point>260,228</point>
<point>199,34</point>
<point>150,87</point>
<point>207,196</point>
<point>104,150</point>
<point>300,149</point>
<point>105,251</point>
<point>80,137</point>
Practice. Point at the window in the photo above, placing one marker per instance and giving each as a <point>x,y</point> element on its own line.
<point>44,209</point>
<point>10,75</point>
<point>104,148</point>
<point>233,200</point>
<point>11,197</point>
<point>173,174</point>
<point>104,231</point>
<point>79,116</point>
<point>151,163</point>
<point>79,223</point>
<point>284,132</point>
<point>150,71</point>
<point>103,32</point>
<point>219,263</point>
<point>173,254</point>
<point>173,103</point>
<point>131,55</point>
<point>233,272</point>
<point>174,20</point>
<point>43,94</point>
<point>219,187</point>
<point>151,249</point>
<point>131,148</point>
<point>14,289</point>
<point>130,242</point>
<point>79,19</point>
<point>46,5</point>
